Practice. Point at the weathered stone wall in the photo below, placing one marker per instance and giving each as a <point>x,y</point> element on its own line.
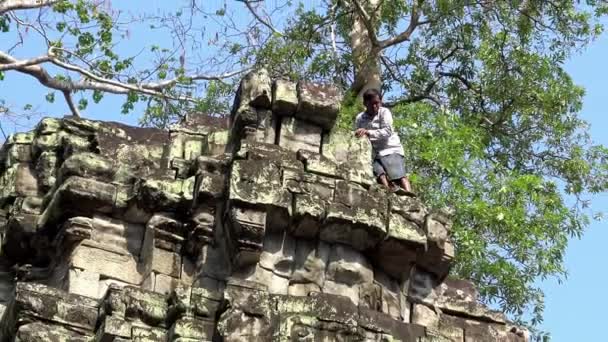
<point>270,230</point>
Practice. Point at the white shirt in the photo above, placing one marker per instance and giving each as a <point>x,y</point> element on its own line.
<point>384,139</point>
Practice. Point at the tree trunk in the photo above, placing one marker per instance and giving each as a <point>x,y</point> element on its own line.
<point>366,58</point>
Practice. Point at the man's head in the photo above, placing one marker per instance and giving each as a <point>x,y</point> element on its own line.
<point>372,99</point>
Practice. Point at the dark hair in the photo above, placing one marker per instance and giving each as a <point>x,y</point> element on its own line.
<point>369,94</point>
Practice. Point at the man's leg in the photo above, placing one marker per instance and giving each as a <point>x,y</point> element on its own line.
<point>395,169</point>
<point>384,181</point>
<point>405,184</point>
<point>380,173</point>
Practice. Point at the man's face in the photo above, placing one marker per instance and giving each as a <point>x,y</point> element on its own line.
<point>373,105</point>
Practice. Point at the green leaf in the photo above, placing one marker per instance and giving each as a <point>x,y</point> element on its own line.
<point>50,97</point>
<point>97,96</point>
<point>82,104</point>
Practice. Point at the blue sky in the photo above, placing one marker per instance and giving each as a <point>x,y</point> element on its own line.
<point>575,310</point>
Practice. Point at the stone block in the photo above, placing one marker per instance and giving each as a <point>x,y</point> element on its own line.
<point>387,326</point>
<point>147,334</point>
<point>122,267</point>
<point>318,103</point>
<point>26,183</point>
<point>451,328</point>
<point>47,142</point>
<point>29,205</point>
<point>247,230</point>
<point>106,283</point>
<point>192,328</point>
<point>298,135</point>
<point>164,284</point>
<point>265,128</point>
<point>160,260</point>
<point>21,138</point>
<point>391,301</point>
<point>423,287</point>
<point>425,316</point>
<point>357,217</point>
<point>319,164</point>
<point>79,196</point>
<point>47,304</point>
<point>48,126</point>
<point>160,195</point>
<point>87,165</point>
<point>440,253</point>
<point>257,182</point>
<point>205,302</point>
<point>46,170</point>
<point>270,153</point>
<point>284,98</point>
<point>113,328</point>
<point>278,254</point>
<point>17,153</point>
<point>41,331</point>
<point>311,262</point>
<point>410,208</point>
<point>348,266</point>
<point>148,307</point>
<point>398,252</point>
<point>353,155</point>
<point>216,143</point>
<point>119,234</point>
<point>254,90</point>
<point>83,282</point>
<point>340,289</point>
<point>308,214</point>
<point>214,262</point>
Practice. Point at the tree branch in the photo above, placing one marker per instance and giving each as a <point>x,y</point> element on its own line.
<point>367,21</point>
<point>426,95</point>
<point>258,18</point>
<point>405,35</point>
<point>23,63</point>
<point>70,101</point>
<point>459,77</point>
<point>15,5</point>
<point>197,77</point>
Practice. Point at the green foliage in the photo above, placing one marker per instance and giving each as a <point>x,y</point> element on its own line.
<point>489,121</point>
<point>50,97</point>
<point>5,21</point>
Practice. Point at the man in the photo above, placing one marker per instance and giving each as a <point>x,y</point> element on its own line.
<point>376,123</point>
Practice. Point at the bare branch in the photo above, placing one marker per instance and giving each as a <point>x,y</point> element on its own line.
<point>93,82</point>
<point>197,77</point>
<point>405,35</point>
<point>70,101</point>
<point>258,18</point>
<point>23,63</point>
<point>14,5</point>
<point>459,77</point>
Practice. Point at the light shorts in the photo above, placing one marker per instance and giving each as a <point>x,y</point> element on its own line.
<point>392,165</point>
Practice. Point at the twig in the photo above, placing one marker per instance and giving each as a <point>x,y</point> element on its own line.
<point>257,16</point>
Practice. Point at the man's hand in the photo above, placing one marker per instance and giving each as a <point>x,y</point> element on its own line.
<point>361,132</point>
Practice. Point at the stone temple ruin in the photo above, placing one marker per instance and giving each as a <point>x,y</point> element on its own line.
<point>270,230</point>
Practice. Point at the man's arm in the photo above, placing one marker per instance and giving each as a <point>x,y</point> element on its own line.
<point>357,122</point>
<point>386,126</point>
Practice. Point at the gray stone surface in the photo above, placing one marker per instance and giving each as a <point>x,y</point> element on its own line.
<point>270,229</point>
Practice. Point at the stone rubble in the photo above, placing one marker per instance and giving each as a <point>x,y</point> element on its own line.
<point>269,230</point>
